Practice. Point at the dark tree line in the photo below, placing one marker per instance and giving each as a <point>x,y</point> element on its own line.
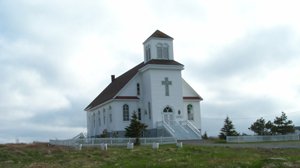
<point>280,126</point>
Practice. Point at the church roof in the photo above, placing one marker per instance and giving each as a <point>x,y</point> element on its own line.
<point>117,84</point>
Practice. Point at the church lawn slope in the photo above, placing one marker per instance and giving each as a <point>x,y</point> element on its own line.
<point>42,156</point>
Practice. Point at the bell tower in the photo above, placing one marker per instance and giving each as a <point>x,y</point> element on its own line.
<point>158,46</point>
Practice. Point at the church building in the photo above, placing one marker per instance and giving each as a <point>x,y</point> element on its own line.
<point>155,91</point>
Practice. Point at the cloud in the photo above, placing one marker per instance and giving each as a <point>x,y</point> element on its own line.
<point>265,49</point>
<point>254,77</point>
<point>56,56</point>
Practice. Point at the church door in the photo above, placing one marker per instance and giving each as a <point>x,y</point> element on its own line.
<point>168,115</point>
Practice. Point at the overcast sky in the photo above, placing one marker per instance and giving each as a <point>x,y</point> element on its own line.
<point>56,56</point>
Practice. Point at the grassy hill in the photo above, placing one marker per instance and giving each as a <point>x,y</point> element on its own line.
<point>43,156</point>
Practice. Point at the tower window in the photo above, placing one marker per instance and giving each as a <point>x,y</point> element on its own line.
<point>125,112</point>
<point>159,51</point>
<point>162,51</point>
<point>148,53</point>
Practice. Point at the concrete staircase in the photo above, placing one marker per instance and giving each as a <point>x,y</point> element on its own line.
<point>182,131</point>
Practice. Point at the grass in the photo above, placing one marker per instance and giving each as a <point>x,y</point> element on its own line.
<point>42,156</point>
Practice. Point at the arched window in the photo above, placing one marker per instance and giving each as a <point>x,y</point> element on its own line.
<point>94,120</point>
<point>139,114</point>
<point>190,112</point>
<point>168,109</point>
<point>149,110</point>
<point>125,112</point>
<point>99,118</point>
<point>138,89</point>
<point>110,117</point>
<point>104,116</point>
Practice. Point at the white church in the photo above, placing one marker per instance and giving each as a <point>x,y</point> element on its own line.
<point>155,91</point>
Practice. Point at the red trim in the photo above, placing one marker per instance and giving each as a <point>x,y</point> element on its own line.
<point>126,97</point>
<point>192,98</point>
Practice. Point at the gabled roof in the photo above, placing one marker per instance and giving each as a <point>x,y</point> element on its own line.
<point>117,84</point>
<point>160,34</point>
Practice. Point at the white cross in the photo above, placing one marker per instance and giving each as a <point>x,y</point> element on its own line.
<point>166,82</point>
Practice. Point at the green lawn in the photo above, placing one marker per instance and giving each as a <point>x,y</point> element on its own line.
<point>143,156</point>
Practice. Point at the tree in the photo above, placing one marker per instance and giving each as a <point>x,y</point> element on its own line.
<point>282,125</point>
<point>135,129</point>
<point>269,127</point>
<point>204,136</point>
<point>260,127</point>
<point>228,129</point>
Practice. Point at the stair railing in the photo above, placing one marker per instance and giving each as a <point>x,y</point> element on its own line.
<point>192,126</point>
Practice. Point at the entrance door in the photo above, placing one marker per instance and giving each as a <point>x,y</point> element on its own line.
<point>168,115</point>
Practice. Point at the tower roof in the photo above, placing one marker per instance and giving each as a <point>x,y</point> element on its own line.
<point>159,34</point>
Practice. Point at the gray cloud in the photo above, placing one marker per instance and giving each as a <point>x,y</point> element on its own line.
<point>245,62</point>
<point>264,49</point>
<point>52,53</point>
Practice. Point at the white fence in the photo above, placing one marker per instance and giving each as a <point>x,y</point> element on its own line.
<point>93,142</point>
<point>238,139</point>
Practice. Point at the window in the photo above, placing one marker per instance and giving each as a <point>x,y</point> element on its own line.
<point>159,50</point>
<point>168,109</point>
<point>99,118</point>
<point>139,114</point>
<point>149,109</point>
<point>148,53</point>
<point>94,120</point>
<point>190,112</point>
<point>138,89</point>
<point>162,51</point>
<point>125,112</point>
<point>110,117</point>
<point>104,117</point>
<point>166,52</point>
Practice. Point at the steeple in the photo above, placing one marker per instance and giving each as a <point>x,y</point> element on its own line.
<point>158,46</point>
